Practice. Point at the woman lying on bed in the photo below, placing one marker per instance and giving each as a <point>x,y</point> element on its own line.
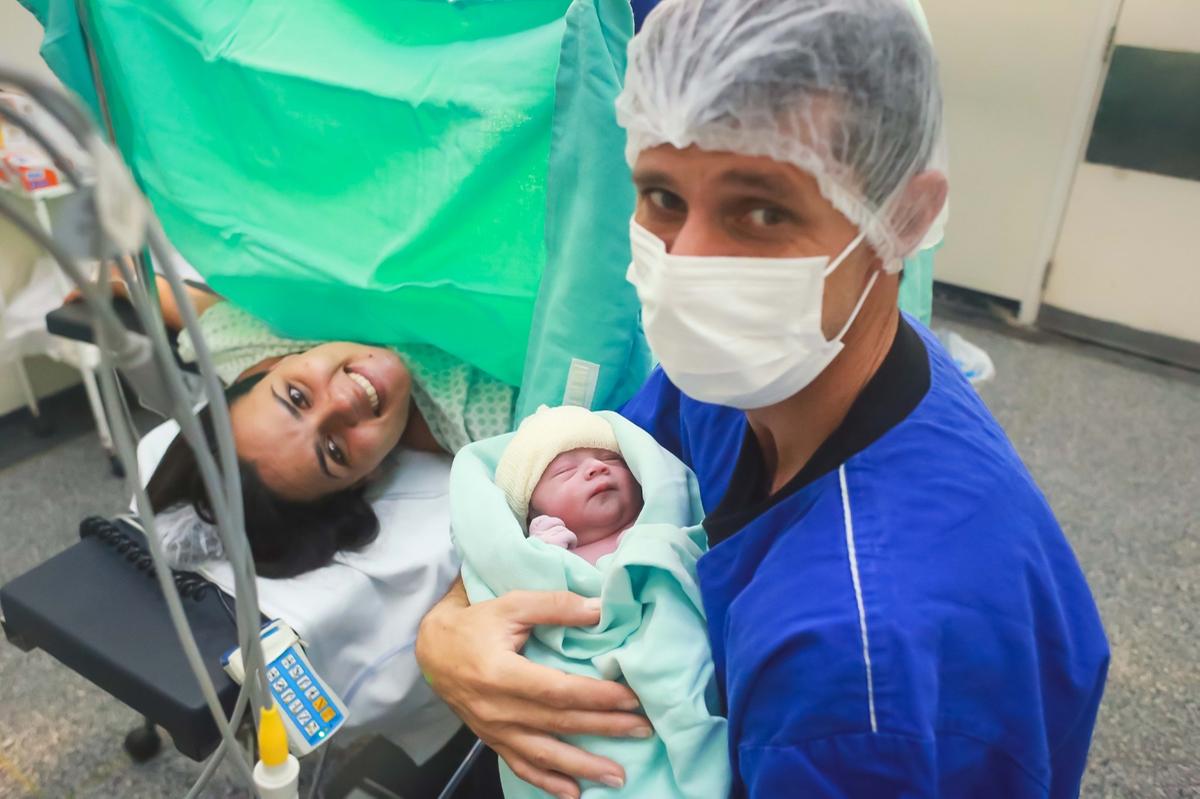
<point>313,422</point>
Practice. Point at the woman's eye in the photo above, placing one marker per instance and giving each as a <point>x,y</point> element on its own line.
<point>335,452</point>
<point>768,216</point>
<point>296,396</point>
<point>665,200</point>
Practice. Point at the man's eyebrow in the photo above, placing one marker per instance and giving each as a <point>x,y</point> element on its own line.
<point>768,184</point>
<point>291,408</point>
<point>317,448</point>
<point>653,177</point>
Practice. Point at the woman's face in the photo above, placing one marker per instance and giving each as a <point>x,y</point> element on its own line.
<point>323,420</point>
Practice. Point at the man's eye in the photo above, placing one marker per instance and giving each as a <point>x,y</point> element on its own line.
<point>296,396</point>
<point>335,452</point>
<point>768,216</point>
<point>665,200</point>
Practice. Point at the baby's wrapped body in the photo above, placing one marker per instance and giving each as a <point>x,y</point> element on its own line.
<point>651,633</point>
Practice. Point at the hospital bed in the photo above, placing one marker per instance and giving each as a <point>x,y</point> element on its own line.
<point>538,286</point>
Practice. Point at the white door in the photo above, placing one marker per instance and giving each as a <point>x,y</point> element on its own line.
<point>1019,78</point>
<point>1127,266</point>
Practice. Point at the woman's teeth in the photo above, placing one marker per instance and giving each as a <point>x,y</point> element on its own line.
<point>365,384</point>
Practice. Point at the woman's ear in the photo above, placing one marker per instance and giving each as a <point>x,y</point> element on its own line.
<point>920,204</point>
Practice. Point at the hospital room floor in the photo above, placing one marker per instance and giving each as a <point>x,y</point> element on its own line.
<point>1114,441</point>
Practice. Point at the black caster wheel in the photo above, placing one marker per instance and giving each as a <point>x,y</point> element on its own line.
<point>118,468</point>
<point>143,743</point>
<point>41,426</point>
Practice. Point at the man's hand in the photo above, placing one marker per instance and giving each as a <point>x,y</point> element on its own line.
<point>471,656</point>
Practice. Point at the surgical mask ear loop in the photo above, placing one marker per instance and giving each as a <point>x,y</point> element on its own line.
<point>851,247</point>
<point>861,302</point>
<point>866,292</point>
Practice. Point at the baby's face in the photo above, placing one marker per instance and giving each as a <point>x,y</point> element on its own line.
<point>591,490</point>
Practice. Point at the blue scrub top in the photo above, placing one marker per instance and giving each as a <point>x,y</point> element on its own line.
<point>910,623</point>
<point>640,9</point>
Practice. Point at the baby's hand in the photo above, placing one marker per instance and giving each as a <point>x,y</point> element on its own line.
<point>552,531</point>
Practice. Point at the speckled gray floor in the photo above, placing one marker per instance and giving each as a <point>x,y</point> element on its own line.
<point>1113,441</point>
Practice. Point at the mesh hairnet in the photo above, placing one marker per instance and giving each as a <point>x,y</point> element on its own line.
<point>846,90</point>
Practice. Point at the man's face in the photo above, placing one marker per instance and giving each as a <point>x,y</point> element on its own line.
<point>591,490</point>
<point>704,203</point>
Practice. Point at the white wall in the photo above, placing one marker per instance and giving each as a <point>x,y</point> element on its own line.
<point>1161,24</point>
<point>20,36</point>
<point>1019,79</point>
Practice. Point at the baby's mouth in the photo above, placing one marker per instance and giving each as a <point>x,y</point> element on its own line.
<point>600,489</point>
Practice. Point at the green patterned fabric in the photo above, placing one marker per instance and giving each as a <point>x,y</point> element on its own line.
<point>460,403</point>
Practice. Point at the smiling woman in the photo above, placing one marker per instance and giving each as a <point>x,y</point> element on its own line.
<point>313,422</point>
<point>311,429</point>
<point>287,536</point>
<point>322,420</point>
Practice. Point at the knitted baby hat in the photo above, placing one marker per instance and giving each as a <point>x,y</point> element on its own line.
<point>540,439</point>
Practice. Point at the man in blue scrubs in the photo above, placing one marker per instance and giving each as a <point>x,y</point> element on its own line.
<point>892,607</point>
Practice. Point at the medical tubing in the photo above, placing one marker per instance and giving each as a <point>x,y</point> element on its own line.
<point>110,332</point>
<point>99,305</point>
<point>139,296</point>
<point>237,548</point>
<point>460,773</point>
<point>60,161</point>
<point>248,624</point>
<point>150,316</point>
<point>238,551</point>
<point>314,790</point>
<point>53,100</point>
<point>214,761</point>
<point>122,440</point>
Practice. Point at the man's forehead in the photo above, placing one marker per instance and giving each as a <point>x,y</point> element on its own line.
<point>668,165</point>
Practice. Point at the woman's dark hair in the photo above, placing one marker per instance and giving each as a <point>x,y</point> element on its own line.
<point>287,538</point>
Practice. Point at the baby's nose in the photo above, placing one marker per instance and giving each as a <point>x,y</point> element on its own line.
<point>596,467</point>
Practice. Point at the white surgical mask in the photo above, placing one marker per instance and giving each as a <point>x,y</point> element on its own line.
<point>736,331</point>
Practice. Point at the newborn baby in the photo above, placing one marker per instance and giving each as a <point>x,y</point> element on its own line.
<point>587,482</point>
<point>564,477</point>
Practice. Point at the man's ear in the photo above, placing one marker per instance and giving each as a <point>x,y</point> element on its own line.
<point>919,206</point>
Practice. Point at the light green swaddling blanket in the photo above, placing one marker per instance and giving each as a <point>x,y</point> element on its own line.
<point>460,404</point>
<point>651,634</point>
